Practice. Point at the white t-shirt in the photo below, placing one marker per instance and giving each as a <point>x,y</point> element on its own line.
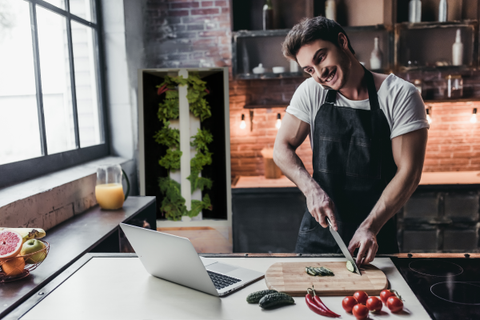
<point>399,100</point>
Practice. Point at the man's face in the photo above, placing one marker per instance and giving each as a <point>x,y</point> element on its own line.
<point>327,63</point>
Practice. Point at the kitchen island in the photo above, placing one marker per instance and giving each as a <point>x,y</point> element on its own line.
<point>116,286</point>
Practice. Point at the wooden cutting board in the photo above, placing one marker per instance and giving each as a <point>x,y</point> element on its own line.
<point>291,278</point>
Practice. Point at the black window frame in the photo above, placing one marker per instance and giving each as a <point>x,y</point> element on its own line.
<point>20,171</point>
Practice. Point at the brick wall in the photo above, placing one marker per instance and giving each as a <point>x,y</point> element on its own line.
<point>180,33</point>
<point>183,33</point>
<point>453,142</point>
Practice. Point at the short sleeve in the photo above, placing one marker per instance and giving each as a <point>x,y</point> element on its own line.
<point>304,100</point>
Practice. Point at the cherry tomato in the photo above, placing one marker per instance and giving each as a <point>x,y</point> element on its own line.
<point>385,294</point>
<point>361,297</point>
<point>374,304</point>
<point>360,311</point>
<point>394,304</point>
<point>348,303</point>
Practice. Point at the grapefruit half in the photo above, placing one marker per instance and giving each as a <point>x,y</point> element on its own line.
<point>10,244</point>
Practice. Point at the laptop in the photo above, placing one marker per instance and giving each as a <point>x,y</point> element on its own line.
<point>174,258</point>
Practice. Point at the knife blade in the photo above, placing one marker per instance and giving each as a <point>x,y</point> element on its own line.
<point>342,246</point>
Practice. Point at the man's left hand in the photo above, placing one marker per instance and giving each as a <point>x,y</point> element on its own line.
<point>366,242</point>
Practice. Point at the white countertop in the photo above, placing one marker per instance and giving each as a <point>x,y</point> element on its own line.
<point>428,178</point>
<point>120,288</point>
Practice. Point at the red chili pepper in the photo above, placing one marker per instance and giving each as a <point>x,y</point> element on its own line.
<point>317,306</point>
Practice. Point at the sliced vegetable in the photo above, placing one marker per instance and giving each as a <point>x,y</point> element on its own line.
<point>360,311</point>
<point>394,304</point>
<point>348,303</point>
<point>361,297</point>
<point>319,271</point>
<point>350,267</point>
<point>255,297</point>
<point>316,304</point>
<point>374,304</point>
<point>274,300</point>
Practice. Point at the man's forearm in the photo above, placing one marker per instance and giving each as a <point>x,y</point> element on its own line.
<point>292,166</point>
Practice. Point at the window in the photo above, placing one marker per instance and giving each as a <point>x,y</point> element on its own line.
<point>51,109</point>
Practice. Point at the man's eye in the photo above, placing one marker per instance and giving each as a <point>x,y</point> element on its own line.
<point>309,70</point>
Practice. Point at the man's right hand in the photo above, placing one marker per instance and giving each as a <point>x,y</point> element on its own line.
<point>290,136</point>
<point>320,207</point>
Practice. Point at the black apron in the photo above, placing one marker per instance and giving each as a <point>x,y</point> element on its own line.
<point>352,163</point>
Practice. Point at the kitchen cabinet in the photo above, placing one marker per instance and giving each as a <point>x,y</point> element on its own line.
<point>440,218</point>
<point>266,219</point>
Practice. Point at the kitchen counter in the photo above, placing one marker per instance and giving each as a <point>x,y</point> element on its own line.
<point>428,178</point>
<point>116,286</point>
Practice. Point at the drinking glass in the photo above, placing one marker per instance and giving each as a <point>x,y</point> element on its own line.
<point>109,188</point>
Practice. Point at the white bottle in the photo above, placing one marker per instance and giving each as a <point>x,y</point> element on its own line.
<point>442,11</point>
<point>415,11</point>
<point>376,56</point>
<point>457,50</point>
<point>330,10</point>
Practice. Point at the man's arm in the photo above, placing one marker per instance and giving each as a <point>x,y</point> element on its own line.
<point>409,154</point>
<point>290,136</point>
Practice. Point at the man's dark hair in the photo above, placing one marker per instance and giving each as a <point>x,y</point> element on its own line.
<point>309,30</point>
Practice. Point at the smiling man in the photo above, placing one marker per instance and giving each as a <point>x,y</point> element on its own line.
<point>368,133</point>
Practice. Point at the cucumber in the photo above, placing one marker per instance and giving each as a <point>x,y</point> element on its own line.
<point>274,300</point>
<point>319,271</point>
<point>350,267</point>
<point>255,297</point>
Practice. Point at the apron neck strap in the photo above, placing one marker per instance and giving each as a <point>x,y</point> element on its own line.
<point>372,92</point>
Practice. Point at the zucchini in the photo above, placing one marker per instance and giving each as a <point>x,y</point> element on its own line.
<point>255,297</point>
<point>274,300</point>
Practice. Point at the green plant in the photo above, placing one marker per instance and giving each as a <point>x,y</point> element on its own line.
<point>173,204</point>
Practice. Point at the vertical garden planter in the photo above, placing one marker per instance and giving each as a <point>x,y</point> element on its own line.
<point>152,171</point>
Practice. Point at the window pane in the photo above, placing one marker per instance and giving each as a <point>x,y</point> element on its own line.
<point>82,8</point>
<point>56,84</point>
<point>86,84</point>
<point>19,134</point>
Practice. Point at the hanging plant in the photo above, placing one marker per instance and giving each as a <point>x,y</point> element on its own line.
<point>173,204</point>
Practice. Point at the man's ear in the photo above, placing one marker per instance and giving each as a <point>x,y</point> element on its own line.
<point>342,41</point>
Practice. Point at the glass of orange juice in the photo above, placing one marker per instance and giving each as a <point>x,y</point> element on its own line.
<point>109,188</point>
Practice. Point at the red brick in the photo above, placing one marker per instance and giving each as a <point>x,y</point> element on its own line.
<point>221,3</point>
<point>184,5</point>
<point>178,13</point>
<point>207,3</point>
<point>205,12</point>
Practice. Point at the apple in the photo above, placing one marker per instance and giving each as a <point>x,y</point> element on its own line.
<point>31,246</point>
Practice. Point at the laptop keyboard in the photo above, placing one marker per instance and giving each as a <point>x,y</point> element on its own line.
<point>221,281</point>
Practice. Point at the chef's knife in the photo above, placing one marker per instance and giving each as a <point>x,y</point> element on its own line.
<point>343,247</point>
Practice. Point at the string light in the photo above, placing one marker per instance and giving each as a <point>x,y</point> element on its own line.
<point>243,124</point>
<point>429,119</point>
<point>473,118</point>
<point>278,124</point>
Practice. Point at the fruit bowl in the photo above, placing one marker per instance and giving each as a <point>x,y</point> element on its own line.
<point>9,268</point>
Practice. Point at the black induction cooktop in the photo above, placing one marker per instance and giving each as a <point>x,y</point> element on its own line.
<point>448,288</point>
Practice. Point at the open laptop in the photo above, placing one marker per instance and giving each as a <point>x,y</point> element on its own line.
<point>174,258</point>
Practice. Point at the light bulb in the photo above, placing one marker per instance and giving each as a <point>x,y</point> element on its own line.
<point>243,125</point>
<point>473,118</point>
<point>278,124</point>
<point>429,119</point>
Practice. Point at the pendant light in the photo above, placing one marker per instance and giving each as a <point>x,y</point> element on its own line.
<point>429,119</point>
<point>473,118</point>
<point>243,124</point>
<point>278,124</point>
